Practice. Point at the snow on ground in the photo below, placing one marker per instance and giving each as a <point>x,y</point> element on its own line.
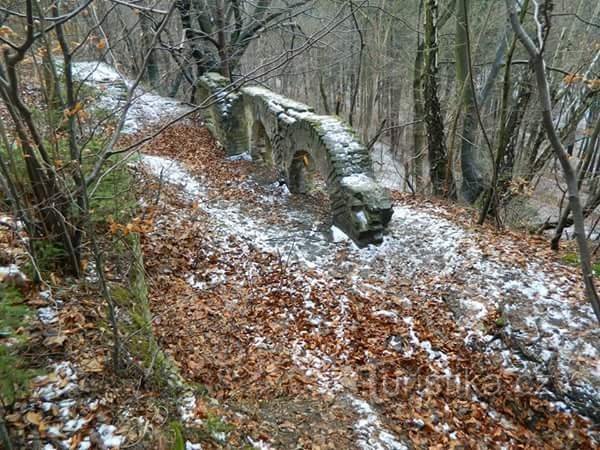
<point>173,172</point>
<point>146,109</point>
<point>535,303</point>
<point>259,445</point>
<point>58,394</point>
<point>301,242</point>
<point>388,170</point>
<point>370,431</point>
<point>191,446</point>
<point>47,315</point>
<point>540,312</point>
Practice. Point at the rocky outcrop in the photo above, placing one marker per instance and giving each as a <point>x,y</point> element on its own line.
<point>291,136</point>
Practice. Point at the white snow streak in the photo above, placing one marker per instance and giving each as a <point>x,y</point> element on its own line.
<point>146,108</point>
<point>420,241</point>
<point>417,242</point>
<point>371,433</point>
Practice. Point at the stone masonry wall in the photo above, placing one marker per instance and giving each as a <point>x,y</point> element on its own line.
<point>281,131</point>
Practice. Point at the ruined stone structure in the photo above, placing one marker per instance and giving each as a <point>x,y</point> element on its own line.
<point>291,136</point>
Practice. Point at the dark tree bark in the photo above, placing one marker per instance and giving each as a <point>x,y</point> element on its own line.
<point>472,184</point>
<point>436,140</point>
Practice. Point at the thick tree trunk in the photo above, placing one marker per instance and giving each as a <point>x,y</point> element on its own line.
<point>225,66</point>
<point>509,125</point>
<point>152,68</point>
<point>436,140</point>
<point>201,58</point>
<point>419,131</point>
<point>472,183</point>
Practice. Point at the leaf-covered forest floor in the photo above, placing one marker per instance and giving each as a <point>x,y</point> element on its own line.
<point>448,335</point>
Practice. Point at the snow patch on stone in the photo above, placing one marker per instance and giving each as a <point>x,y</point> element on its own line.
<point>241,157</point>
<point>359,181</point>
<point>275,99</point>
<point>338,235</point>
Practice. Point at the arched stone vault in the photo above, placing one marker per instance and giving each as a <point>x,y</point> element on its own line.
<point>285,133</point>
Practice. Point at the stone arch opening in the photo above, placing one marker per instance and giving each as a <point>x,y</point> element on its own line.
<point>292,139</point>
<point>301,172</point>
<point>260,146</point>
<point>304,175</point>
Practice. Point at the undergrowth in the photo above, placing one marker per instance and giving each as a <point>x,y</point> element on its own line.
<point>572,259</point>
<point>14,371</point>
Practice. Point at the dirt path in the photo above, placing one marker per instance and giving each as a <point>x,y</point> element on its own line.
<point>441,336</point>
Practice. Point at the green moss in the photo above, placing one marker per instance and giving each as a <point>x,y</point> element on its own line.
<point>571,258</point>
<point>501,322</point>
<point>112,196</point>
<point>12,310</point>
<point>213,429</point>
<point>14,375</point>
<point>215,425</point>
<point>14,371</point>
<point>132,298</point>
<point>48,257</point>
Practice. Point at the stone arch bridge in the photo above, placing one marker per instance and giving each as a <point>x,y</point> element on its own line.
<point>293,138</point>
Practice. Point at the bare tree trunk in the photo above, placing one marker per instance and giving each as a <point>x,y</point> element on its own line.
<point>564,219</point>
<point>221,40</point>
<point>539,67</point>
<point>472,184</point>
<point>152,69</point>
<point>508,129</point>
<point>323,93</point>
<point>359,68</point>
<point>52,201</point>
<point>419,132</point>
<point>436,141</point>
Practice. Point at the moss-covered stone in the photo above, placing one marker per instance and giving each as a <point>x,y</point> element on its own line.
<point>287,133</point>
<point>132,300</point>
